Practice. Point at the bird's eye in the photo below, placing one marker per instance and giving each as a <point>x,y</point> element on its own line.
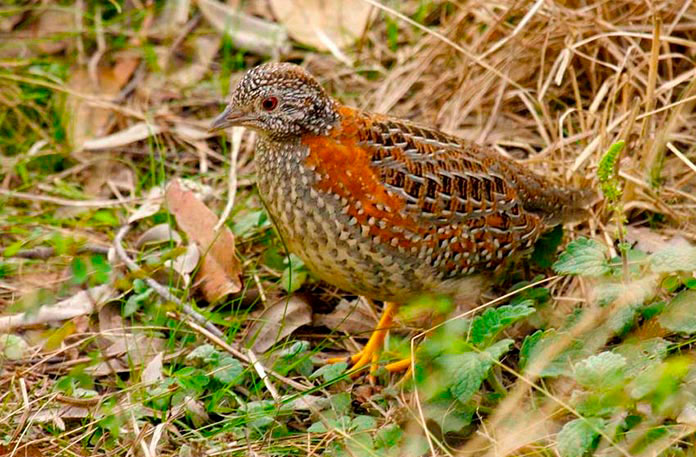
<point>270,103</point>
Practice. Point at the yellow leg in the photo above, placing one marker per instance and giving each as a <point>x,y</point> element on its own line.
<point>368,355</point>
<point>399,365</point>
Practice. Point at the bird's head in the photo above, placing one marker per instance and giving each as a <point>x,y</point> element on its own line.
<point>279,100</point>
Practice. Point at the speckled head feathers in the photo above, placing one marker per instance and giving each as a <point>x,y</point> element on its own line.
<point>279,100</point>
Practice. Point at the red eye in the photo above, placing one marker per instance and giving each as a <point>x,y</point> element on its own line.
<point>270,103</point>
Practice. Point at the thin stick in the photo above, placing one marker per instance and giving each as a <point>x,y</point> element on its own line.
<point>262,374</point>
<point>682,157</point>
<point>157,287</point>
<point>237,133</point>
<point>66,202</point>
<point>241,356</point>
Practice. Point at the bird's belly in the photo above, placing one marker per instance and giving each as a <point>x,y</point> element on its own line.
<point>315,226</point>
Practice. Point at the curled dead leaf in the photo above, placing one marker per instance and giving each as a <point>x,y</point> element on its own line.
<point>132,134</point>
<point>323,25</point>
<point>220,271</point>
<point>83,302</point>
<point>278,321</point>
<point>160,233</point>
<point>349,316</point>
<point>246,32</point>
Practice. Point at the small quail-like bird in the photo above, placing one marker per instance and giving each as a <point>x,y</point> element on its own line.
<point>383,207</point>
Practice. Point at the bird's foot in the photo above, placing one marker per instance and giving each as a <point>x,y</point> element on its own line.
<point>369,355</point>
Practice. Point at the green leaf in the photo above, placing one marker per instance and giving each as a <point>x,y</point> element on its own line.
<point>134,301</point>
<point>317,427</point>
<point>583,257</point>
<point>602,371</point>
<point>388,436</point>
<point>578,437</point>
<point>202,352</point>
<point>537,344</point>
<point>680,314</point>
<point>229,370</point>
<point>488,325</point>
<point>102,269</point>
<point>294,275</point>
<point>449,414</point>
<point>661,381</point>
<point>330,372</point>
<point>673,258</point>
<point>546,247</point>
<point>340,403</point>
<point>79,270</point>
<point>13,347</point>
<point>606,172</point>
<point>362,423</point>
<point>468,370</point>
<point>13,248</point>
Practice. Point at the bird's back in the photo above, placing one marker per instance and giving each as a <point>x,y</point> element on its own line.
<point>390,209</point>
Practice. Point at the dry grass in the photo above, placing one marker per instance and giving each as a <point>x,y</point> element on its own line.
<point>554,84</point>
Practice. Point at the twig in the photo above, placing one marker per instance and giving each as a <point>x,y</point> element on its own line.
<point>46,252</point>
<point>682,157</point>
<point>157,287</point>
<point>66,202</point>
<point>241,356</point>
<point>262,374</point>
<point>237,133</point>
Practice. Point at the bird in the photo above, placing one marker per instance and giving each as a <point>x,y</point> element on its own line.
<point>384,207</point>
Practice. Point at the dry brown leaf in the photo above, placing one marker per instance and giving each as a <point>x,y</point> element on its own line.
<point>160,233</point>
<point>52,23</point>
<point>246,32</point>
<point>132,134</point>
<point>220,270</point>
<point>126,351</point>
<point>323,25</point>
<point>278,321</point>
<point>151,205</point>
<point>83,302</point>
<point>153,370</point>
<point>206,47</point>
<point>349,316</point>
<point>110,319</point>
<point>84,121</point>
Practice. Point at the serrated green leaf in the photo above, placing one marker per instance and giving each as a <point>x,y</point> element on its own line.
<point>449,414</point>
<point>488,325</point>
<point>536,345</point>
<point>680,314</point>
<point>602,371</point>
<point>468,370</point>
<point>583,257</point>
<point>578,437</point>
<point>330,372</point>
<point>673,258</point>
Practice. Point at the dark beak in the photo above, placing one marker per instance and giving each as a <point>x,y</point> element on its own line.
<point>228,118</point>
